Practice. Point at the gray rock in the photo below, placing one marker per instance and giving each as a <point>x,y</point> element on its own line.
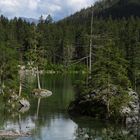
<point>24,109</point>
<point>24,103</point>
<point>132,111</point>
<point>42,93</point>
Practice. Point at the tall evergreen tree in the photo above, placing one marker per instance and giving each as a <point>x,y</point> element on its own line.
<point>109,78</point>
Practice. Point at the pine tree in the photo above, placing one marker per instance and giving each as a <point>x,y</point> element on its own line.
<point>8,67</point>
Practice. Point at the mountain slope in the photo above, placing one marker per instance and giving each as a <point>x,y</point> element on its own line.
<point>105,9</point>
<point>123,8</point>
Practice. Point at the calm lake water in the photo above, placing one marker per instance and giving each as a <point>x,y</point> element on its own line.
<point>48,119</point>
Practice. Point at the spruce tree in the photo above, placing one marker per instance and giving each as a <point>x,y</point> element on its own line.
<point>109,78</point>
<point>35,53</point>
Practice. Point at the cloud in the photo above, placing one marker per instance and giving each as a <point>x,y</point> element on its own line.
<point>18,8</point>
<point>78,4</point>
<point>34,8</point>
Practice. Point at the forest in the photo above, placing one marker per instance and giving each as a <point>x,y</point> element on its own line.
<point>64,45</point>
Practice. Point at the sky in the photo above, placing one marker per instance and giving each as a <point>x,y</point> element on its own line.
<point>58,9</point>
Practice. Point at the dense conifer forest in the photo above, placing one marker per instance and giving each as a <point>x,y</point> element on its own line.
<point>65,45</point>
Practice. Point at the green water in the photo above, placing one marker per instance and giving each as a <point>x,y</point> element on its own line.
<point>49,120</point>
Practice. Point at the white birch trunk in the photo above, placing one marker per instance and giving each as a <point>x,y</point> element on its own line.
<point>20,85</point>
<point>38,79</point>
<point>90,49</point>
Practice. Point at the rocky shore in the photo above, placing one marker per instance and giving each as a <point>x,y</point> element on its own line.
<point>88,105</point>
<point>6,133</point>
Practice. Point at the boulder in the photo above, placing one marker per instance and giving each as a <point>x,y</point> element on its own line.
<point>24,103</point>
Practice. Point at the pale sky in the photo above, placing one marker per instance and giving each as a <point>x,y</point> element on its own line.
<point>34,8</point>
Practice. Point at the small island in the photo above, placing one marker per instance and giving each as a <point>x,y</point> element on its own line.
<point>107,94</point>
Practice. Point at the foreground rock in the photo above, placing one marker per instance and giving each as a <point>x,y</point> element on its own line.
<point>89,106</point>
<point>5,133</point>
<point>41,93</point>
<point>24,103</point>
<point>16,102</point>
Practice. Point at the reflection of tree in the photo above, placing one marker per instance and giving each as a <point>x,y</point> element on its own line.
<point>38,106</point>
<point>19,123</point>
<point>39,123</point>
<point>14,120</point>
<point>105,132</point>
<point>83,134</point>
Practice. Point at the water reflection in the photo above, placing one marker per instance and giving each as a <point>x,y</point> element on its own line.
<point>19,125</point>
<point>96,130</point>
<point>47,118</point>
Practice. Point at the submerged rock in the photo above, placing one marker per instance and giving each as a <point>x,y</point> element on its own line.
<point>42,93</point>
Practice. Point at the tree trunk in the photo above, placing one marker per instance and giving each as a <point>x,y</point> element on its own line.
<point>20,86</point>
<point>2,84</point>
<point>135,83</point>
<point>38,79</point>
<point>87,62</point>
<point>90,49</point>
<point>108,109</point>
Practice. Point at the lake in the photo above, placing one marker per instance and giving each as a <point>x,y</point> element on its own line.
<point>48,119</point>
